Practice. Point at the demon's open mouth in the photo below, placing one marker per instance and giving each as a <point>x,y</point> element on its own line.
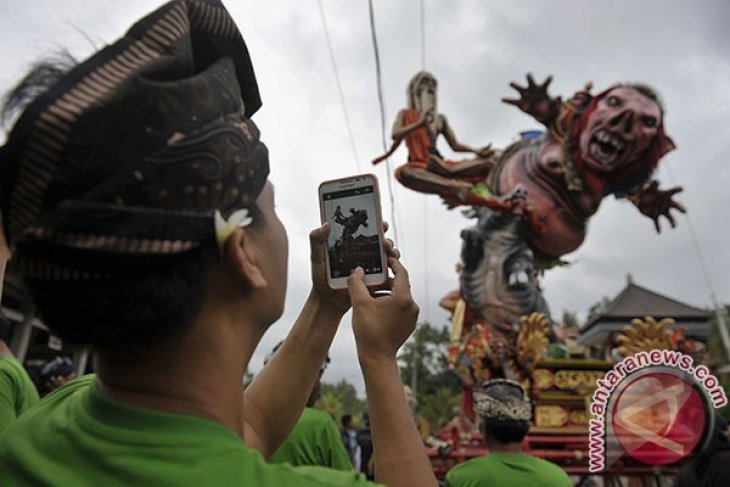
<point>606,147</point>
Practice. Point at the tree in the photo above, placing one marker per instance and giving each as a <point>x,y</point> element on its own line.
<point>438,388</point>
<point>570,319</point>
<point>339,399</point>
<point>331,403</point>
<point>597,309</point>
<point>717,356</point>
<point>438,407</point>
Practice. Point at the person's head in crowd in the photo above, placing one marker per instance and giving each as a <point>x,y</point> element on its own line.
<point>135,193</point>
<point>347,423</point>
<point>365,420</point>
<point>317,387</point>
<point>55,373</point>
<point>6,329</point>
<point>505,410</point>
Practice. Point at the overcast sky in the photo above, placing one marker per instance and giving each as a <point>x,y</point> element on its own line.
<point>475,48</point>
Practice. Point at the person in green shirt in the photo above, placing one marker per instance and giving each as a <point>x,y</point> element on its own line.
<point>315,439</point>
<point>135,197</point>
<point>17,392</point>
<point>505,411</point>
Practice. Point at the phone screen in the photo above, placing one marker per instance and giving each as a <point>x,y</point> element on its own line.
<point>353,240</point>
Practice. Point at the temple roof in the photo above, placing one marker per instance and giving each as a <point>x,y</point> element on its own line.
<point>636,302</point>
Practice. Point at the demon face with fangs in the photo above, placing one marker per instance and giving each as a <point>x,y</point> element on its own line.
<point>621,128</point>
<point>594,146</point>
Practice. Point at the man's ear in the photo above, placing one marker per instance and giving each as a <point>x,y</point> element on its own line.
<point>239,256</point>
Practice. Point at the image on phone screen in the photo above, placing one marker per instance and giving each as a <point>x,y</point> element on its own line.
<point>353,240</point>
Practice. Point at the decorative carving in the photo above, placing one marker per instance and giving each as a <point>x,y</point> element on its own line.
<point>644,336</point>
<point>579,417</point>
<point>550,416</point>
<point>533,340</point>
<point>577,379</point>
<point>543,379</point>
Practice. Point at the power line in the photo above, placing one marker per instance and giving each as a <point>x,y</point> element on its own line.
<point>719,313</point>
<point>381,103</point>
<point>339,85</point>
<point>423,37</point>
<point>427,297</point>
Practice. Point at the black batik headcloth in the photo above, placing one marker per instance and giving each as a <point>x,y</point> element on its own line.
<point>126,159</point>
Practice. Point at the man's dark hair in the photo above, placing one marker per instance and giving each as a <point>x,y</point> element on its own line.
<point>5,328</point>
<point>346,420</point>
<point>131,310</point>
<point>505,430</point>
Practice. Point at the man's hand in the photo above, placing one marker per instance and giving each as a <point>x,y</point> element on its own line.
<point>655,203</point>
<point>382,323</point>
<point>339,299</point>
<point>535,101</point>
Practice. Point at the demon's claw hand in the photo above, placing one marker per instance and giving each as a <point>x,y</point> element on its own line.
<point>485,152</point>
<point>655,203</point>
<point>535,101</point>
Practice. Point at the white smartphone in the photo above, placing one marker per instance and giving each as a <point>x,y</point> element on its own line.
<point>352,206</point>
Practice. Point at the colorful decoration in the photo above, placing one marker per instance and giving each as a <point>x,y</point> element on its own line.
<point>593,146</point>
<point>644,336</point>
<point>532,341</point>
<point>531,203</point>
<point>427,171</point>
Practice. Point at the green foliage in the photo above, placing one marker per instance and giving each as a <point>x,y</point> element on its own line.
<point>570,319</point>
<point>438,387</point>
<point>340,399</point>
<point>546,265</point>
<point>438,407</point>
<point>331,403</point>
<point>597,309</point>
<point>717,357</point>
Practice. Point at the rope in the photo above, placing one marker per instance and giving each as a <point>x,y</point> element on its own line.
<point>427,297</point>
<point>339,85</point>
<point>423,37</point>
<point>719,311</point>
<point>695,241</point>
<point>381,103</point>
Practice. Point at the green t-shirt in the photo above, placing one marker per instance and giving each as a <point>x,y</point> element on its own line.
<point>507,469</point>
<point>315,440</point>
<point>78,436</point>
<point>17,392</point>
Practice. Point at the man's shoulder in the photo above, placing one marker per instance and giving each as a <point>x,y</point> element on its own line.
<point>547,465</point>
<point>316,417</point>
<point>9,363</point>
<point>330,477</point>
<point>465,469</point>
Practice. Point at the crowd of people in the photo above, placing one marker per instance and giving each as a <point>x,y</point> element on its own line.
<point>135,198</point>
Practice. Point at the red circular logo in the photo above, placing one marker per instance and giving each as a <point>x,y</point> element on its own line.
<point>659,418</point>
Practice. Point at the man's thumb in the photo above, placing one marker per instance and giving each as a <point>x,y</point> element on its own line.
<point>356,285</point>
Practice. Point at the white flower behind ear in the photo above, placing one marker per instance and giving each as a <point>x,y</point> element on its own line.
<point>224,228</point>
